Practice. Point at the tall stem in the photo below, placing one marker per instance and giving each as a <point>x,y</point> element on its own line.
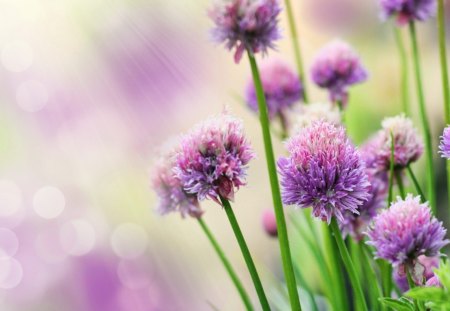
<point>445,80</point>
<point>276,195</point>
<point>399,179</point>
<point>375,291</point>
<point>246,253</point>
<point>416,183</point>
<point>403,70</point>
<point>234,278</point>
<point>423,115</point>
<point>296,47</point>
<point>359,294</point>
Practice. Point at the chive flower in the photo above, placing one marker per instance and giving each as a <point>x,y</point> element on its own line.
<point>282,89</point>
<point>245,24</point>
<point>444,147</point>
<point>335,68</point>
<point>213,158</point>
<point>168,187</point>
<point>406,11</point>
<point>324,171</point>
<point>269,222</point>
<point>406,231</point>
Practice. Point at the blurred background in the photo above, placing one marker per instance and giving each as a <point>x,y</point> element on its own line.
<point>90,90</point>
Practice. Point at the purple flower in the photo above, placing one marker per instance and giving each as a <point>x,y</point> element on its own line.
<point>444,147</point>
<point>246,24</point>
<point>356,224</point>
<point>213,158</point>
<point>405,231</point>
<point>424,271</point>
<point>408,10</point>
<point>433,282</point>
<point>172,196</point>
<point>269,222</point>
<point>336,67</point>
<point>282,88</point>
<point>325,171</point>
<point>408,145</point>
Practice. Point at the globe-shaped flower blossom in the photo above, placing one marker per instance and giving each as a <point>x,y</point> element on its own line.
<point>444,147</point>
<point>408,145</point>
<point>245,24</point>
<point>325,171</point>
<point>336,67</point>
<point>213,159</point>
<point>172,196</point>
<point>406,11</point>
<point>356,224</point>
<point>312,112</point>
<point>282,88</point>
<point>269,222</point>
<point>406,231</point>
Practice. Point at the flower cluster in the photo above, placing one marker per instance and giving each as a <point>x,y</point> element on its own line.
<point>213,158</point>
<point>407,11</point>
<point>168,187</point>
<point>325,171</point>
<point>444,147</point>
<point>406,231</point>
<point>246,24</point>
<point>282,88</point>
<point>336,67</point>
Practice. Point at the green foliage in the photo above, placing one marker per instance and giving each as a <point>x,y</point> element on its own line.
<point>401,304</point>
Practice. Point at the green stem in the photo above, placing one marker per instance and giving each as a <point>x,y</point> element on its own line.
<point>236,281</point>
<point>276,195</point>
<point>375,291</point>
<point>391,172</point>
<point>399,179</point>
<point>305,285</point>
<point>359,294</point>
<point>431,187</point>
<point>443,57</point>
<point>411,286</point>
<point>403,70</point>
<point>296,47</point>
<point>337,277</point>
<point>416,183</point>
<point>246,253</point>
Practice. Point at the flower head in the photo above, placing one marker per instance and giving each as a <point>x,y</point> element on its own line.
<point>356,224</point>
<point>405,231</point>
<point>324,171</point>
<point>282,88</point>
<point>336,67</point>
<point>213,158</point>
<point>408,146</point>
<point>269,222</point>
<point>444,147</point>
<point>246,24</point>
<point>312,112</point>
<point>408,10</point>
<point>172,196</point>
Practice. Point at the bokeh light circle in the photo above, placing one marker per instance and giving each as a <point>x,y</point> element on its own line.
<point>10,198</point>
<point>129,241</point>
<point>9,243</point>
<point>11,273</point>
<point>77,237</point>
<point>49,202</point>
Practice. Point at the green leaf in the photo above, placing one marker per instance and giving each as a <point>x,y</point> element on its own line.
<point>398,305</point>
<point>426,293</point>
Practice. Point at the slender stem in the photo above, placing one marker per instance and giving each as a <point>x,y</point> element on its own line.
<point>444,72</point>
<point>305,285</point>
<point>375,291</point>
<point>337,277</point>
<point>411,286</point>
<point>236,281</point>
<point>399,179</point>
<point>276,195</point>
<point>359,294</point>
<point>416,183</point>
<point>403,70</point>
<point>423,115</point>
<point>246,253</point>
<point>296,47</point>
<point>391,172</point>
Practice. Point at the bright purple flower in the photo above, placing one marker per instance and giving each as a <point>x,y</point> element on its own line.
<point>325,171</point>
<point>269,222</point>
<point>356,224</point>
<point>424,271</point>
<point>408,145</point>
<point>336,67</point>
<point>408,10</point>
<point>246,24</point>
<point>213,158</point>
<point>444,147</point>
<point>172,196</point>
<point>282,88</point>
<point>405,231</point>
